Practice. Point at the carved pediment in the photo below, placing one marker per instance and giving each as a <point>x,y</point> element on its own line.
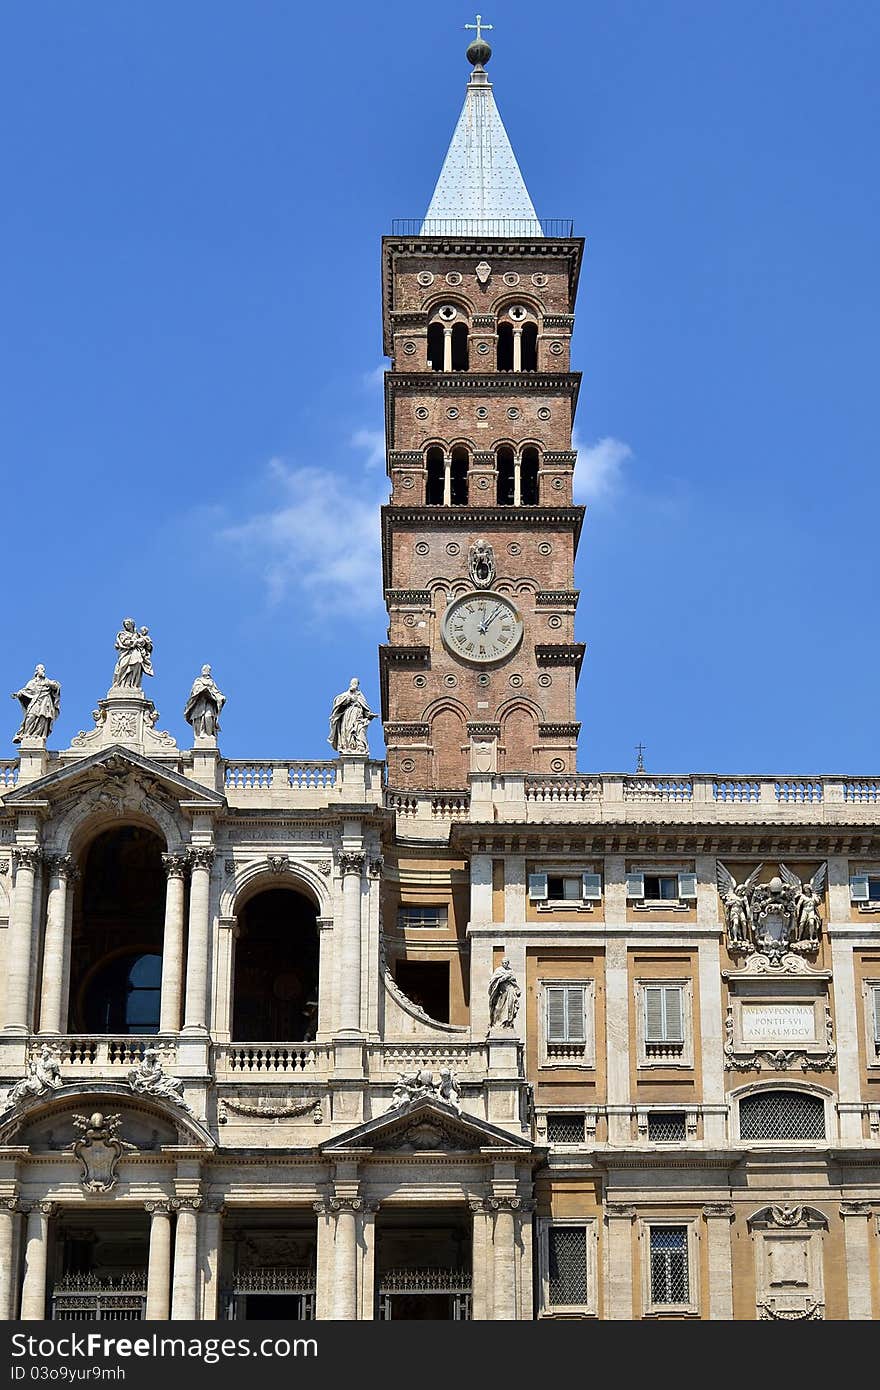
<point>121,775</point>
<point>45,1123</point>
<point>428,1126</point>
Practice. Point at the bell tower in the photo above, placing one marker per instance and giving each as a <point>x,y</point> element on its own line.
<point>480,535</point>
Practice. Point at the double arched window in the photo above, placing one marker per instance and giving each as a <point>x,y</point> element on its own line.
<point>446,481</point>
<point>448,340</point>
<point>517,340</point>
<point>517,476</point>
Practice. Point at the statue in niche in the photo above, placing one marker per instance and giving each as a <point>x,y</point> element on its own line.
<point>481,564</point>
<point>40,701</point>
<point>43,1074</point>
<point>135,660</point>
<point>504,993</point>
<point>203,707</point>
<point>148,1078</point>
<point>349,718</point>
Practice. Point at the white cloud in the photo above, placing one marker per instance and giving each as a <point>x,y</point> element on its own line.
<point>373,443</point>
<point>375,377</point>
<point>320,542</point>
<point>599,471</point>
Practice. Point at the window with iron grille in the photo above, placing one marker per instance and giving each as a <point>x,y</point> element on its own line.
<point>565,1128</point>
<point>670,1279</point>
<point>782,1115</point>
<point>667,1127</point>
<point>410,918</point>
<point>567,1260</point>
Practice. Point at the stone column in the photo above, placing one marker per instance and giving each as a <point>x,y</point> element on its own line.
<point>447,347</point>
<point>172,944</point>
<point>33,1293</point>
<point>619,1284</point>
<point>481,1269</point>
<point>447,478</point>
<point>504,1308</point>
<point>325,1288</point>
<point>718,1217</point>
<point>856,1234</point>
<point>200,858</point>
<point>53,1004</point>
<point>159,1262</point>
<point>517,347</point>
<point>525,1298</point>
<point>517,462</point>
<point>345,1264</point>
<point>349,1016</point>
<point>186,1249</point>
<point>18,956</point>
<point>10,1219</point>
<point>367,1279</point>
<point>210,1242</point>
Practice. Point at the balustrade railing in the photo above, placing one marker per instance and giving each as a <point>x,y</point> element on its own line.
<point>563,789</point>
<point>398,1057</point>
<point>8,772</point>
<point>736,789</point>
<point>658,789</point>
<point>270,1059</point>
<point>865,790</point>
<point>798,790</point>
<point>273,773</point>
<point>106,1051</point>
<point>429,806</point>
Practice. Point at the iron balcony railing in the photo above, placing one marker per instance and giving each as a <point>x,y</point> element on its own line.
<point>483,226</point>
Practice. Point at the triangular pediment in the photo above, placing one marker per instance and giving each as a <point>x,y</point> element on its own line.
<point>113,765</point>
<point>425,1127</point>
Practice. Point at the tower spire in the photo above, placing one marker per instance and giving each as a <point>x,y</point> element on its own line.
<point>480,191</point>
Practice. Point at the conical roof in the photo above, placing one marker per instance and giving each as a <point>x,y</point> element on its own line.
<point>480,191</point>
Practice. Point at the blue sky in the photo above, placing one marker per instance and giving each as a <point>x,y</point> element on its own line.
<point>191,362</point>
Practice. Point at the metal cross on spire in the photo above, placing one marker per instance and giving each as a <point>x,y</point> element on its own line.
<point>479,26</point>
<point>640,765</point>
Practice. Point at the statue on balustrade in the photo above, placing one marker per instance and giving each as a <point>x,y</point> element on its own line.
<point>135,658</point>
<point>43,1074</point>
<point>204,705</point>
<point>40,701</point>
<point>349,718</point>
<point>149,1079</point>
<point>504,992</point>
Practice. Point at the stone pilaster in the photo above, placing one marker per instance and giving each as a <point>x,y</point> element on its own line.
<point>10,1221</point>
<point>200,859</point>
<point>27,859</point>
<point>53,1001</point>
<point>718,1216</point>
<point>504,1263</point>
<point>184,1286</point>
<point>210,1245</point>
<point>345,1301</point>
<point>175,866</point>
<point>351,866</point>
<point>857,1238</point>
<point>619,1284</point>
<point>33,1293</point>
<point>159,1261</point>
<point>482,1298</point>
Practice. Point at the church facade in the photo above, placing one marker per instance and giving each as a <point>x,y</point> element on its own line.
<point>467,1034</point>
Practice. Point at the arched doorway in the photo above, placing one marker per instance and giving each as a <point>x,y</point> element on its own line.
<point>118,922</point>
<point>275,990</point>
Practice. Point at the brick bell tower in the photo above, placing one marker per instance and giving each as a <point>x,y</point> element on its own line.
<point>480,535</point>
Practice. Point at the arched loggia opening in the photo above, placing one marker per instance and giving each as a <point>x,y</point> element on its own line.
<point>275,987</point>
<point>460,347</point>
<point>506,476</point>
<point>505,347</point>
<point>529,463</point>
<point>436,477</point>
<point>116,947</point>
<point>435,347</point>
<point>458,477</point>
<point>529,348</point>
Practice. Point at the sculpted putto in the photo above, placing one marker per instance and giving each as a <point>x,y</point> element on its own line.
<point>205,702</point>
<point>43,1074</point>
<point>40,700</point>
<point>349,718</point>
<point>135,648</point>
<point>504,992</point>
<point>149,1078</point>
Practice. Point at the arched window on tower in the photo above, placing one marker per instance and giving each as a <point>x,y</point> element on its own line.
<point>459,477</point>
<point>506,476</point>
<point>529,477</point>
<point>530,347</point>
<point>435,346</point>
<point>505,347</point>
<point>459,347</point>
<point>436,477</point>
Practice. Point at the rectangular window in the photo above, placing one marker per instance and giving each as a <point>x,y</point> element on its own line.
<point>565,887</point>
<point>874,996</point>
<point>670,1279</point>
<point>567,1262</point>
<point>564,1127</point>
<point>661,887</point>
<point>664,1014</point>
<point>567,1019</point>
<point>874,888</point>
<point>667,1127</point>
<point>864,888</point>
<point>414,918</point>
<point>664,1023</point>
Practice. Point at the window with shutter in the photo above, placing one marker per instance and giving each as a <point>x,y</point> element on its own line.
<point>687,887</point>
<point>858,888</point>
<point>566,1033</point>
<point>591,887</point>
<point>635,885</point>
<point>663,1021</point>
<point>537,887</point>
<point>875,992</point>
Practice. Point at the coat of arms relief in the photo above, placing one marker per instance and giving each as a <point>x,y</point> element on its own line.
<point>775,919</point>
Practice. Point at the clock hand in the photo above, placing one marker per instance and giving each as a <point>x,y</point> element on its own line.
<point>491,618</point>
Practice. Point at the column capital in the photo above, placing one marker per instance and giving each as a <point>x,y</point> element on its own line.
<point>200,856</point>
<point>43,1208</point>
<point>505,1203</point>
<point>186,1204</point>
<point>479,1205</point>
<point>346,1203</point>
<point>64,866</point>
<point>162,1207</point>
<point>12,1204</point>
<point>855,1209</point>
<point>351,863</point>
<point>27,856</point>
<point>175,865</point>
<point>374,867</point>
<point>718,1211</point>
<point>620,1211</point>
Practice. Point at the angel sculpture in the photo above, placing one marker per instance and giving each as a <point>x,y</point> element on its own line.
<point>737,907</point>
<point>807,902</point>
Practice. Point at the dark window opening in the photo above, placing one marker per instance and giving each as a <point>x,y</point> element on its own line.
<point>123,995</point>
<point>529,477</point>
<point>874,890</point>
<point>661,887</point>
<point>505,347</point>
<point>426,983</point>
<point>435,346</point>
<point>506,472</point>
<point>459,478</point>
<point>275,998</point>
<point>460,347</point>
<point>434,483</point>
<point>529,348</point>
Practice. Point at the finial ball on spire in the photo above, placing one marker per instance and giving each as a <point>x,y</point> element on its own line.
<point>478,50</point>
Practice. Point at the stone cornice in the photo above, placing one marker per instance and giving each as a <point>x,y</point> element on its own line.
<point>561,654</point>
<point>580,834</point>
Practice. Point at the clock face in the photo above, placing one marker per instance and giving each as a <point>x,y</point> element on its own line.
<point>482,627</point>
